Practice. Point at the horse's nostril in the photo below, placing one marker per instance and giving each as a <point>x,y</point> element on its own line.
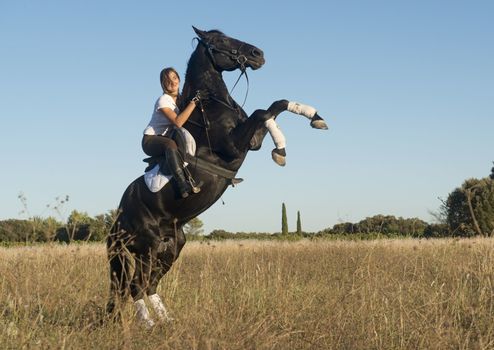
<point>256,53</point>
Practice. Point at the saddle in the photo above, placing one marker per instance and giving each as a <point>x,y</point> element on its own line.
<point>157,173</point>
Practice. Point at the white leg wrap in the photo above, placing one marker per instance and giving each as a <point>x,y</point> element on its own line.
<point>275,132</point>
<point>299,108</point>
<point>143,313</point>
<point>159,307</point>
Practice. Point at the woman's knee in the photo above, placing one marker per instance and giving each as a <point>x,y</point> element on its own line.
<point>155,145</point>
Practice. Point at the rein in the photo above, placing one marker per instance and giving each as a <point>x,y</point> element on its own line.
<point>207,125</point>
<point>204,164</point>
<point>207,166</point>
<point>241,60</point>
<point>244,72</point>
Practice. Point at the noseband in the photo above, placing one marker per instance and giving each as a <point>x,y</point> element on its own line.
<point>233,54</point>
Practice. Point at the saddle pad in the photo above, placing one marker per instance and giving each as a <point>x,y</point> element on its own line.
<point>155,180</point>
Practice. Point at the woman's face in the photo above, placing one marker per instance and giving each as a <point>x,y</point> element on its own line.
<point>172,84</point>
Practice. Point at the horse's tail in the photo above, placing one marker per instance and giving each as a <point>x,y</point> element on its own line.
<point>119,260</point>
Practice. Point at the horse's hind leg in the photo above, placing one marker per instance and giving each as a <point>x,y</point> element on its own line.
<point>118,257</point>
<point>168,253</point>
<point>160,268</point>
<point>140,284</point>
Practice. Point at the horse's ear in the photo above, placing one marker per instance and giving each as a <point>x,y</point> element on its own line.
<point>202,34</point>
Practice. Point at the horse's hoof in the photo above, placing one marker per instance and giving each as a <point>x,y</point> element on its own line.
<point>147,323</point>
<point>318,123</point>
<point>279,156</point>
<point>164,317</point>
<point>167,319</point>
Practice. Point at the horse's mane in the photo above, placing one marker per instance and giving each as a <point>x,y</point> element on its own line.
<point>215,31</point>
<point>186,93</point>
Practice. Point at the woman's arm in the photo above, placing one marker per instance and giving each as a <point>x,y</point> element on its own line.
<point>181,118</point>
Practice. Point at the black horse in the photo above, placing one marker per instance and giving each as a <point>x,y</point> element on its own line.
<point>148,229</point>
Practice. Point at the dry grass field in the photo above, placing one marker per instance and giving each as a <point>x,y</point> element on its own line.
<point>386,294</point>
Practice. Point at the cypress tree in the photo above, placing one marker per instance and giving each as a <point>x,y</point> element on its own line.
<point>299,224</point>
<point>284,222</point>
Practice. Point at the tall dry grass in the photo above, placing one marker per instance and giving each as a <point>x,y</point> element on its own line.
<point>396,294</point>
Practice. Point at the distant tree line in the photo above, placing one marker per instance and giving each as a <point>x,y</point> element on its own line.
<point>79,227</point>
<point>468,211</point>
<point>386,225</point>
<point>372,227</point>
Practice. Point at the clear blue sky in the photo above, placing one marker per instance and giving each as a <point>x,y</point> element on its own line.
<point>407,88</point>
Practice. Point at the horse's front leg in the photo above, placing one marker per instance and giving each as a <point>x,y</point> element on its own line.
<point>309,112</point>
<point>250,134</point>
<point>243,134</point>
<point>279,154</point>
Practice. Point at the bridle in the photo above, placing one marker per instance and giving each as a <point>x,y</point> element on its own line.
<point>234,55</point>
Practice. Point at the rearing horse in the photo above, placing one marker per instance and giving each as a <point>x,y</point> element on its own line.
<point>148,229</point>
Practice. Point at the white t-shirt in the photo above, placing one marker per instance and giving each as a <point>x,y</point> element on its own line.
<point>159,123</point>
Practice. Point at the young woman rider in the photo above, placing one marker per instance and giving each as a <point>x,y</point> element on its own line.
<point>166,115</point>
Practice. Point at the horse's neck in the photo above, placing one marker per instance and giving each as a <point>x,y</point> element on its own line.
<point>202,75</point>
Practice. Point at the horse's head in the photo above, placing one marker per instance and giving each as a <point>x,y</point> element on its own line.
<point>228,54</point>
<point>212,124</point>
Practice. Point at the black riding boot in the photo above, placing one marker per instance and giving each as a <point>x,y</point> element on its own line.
<point>175,166</point>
